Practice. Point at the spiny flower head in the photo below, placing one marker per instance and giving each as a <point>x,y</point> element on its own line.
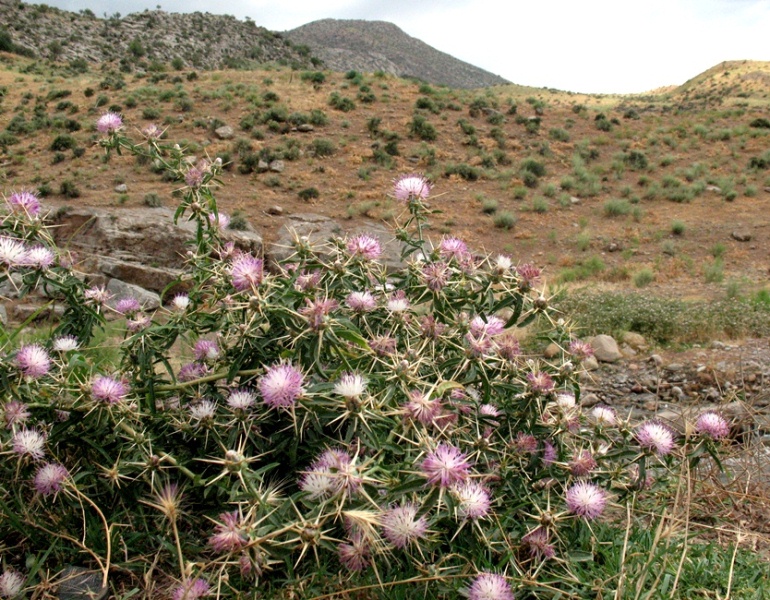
<point>108,389</point>
<point>361,302</point>
<point>194,177</point>
<point>411,187</point>
<point>580,350</point>
<point>354,555</point>
<point>435,275</point>
<point>452,247</point>
<point>582,463</point>
<point>49,478</point>
<point>281,385</point>
<point>655,436</point>
<point>29,442</point>
<point>246,272</point>
<point>586,500</point>
<point>398,302</point>
<point>204,410</point>
<point>190,589</point>
<point>15,412</point>
<point>490,586</point>
<point>445,466</point>
<point>128,306</point>
<point>350,385</point>
<point>205,350</point>
<point>491,326</point>
<point>33,360</point>
<point>191,371</point>
<point>332,472</point>
<point>421,407</point>
<point>241,399</point>
<point>364,246</point>
<point>66,343</point>
<point>713,425</point>
<point>11,584</point>
<point>152,132</point>
<point>540,382</point>
<point>180,302</point>
<point>539,543</point>
<point>529,274</point>
<point>96,295</point>
<point>25,202</point>
<point>604,415</point>
<point>109,122</point>
<point>229,535</point>
<point>13,252</point>
<point>401,527</point>
<point>473,500</point>
<point>39,257</point>
<point>317,311</point>
<point>221,221</point>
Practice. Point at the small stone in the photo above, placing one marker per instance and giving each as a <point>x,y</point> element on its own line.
<point>305,128</point>
<point>121,189</point>
<point>605,348</point>
<point>275,210</point>
<point>677,391</point>
<point>574,200</point>
<point>674,367</point>
<point>262,165</point>
<point>657,359</point>
<point>590,363</point>
<point>225,132</point>
<point>277,166</point>
<point>551,351</point>
<point>714,188</point>
<point>651,405</point>
<point>589,400</point>
<point>741,236</point>
<point>637,388</point>
<point>636,340</point>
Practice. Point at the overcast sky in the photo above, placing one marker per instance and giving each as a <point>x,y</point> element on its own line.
<point>599,46</point>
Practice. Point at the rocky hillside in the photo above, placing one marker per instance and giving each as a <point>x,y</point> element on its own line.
<point>735,81</point>
<point>197,39</point>
<point>371,46</point>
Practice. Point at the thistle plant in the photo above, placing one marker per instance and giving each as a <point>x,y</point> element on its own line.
<point>339,427</point>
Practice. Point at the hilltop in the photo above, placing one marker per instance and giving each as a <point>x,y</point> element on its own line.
<point>370,46</point>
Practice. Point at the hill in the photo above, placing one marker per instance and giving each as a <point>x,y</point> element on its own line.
<point>370,46</point>
<point>199,40</point>
<point>734,81</point>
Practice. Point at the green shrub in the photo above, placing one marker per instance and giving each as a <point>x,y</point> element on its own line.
<point>558,134</point>
<point>616,208</point>
<point>152,200</point>
<point>323,147</point>
<point>69,189</point>
<point>63,142</point>
<point>462,170</point>
<point>678,228</point>
<point>422,129</point>
<point>505,220</point>
<point>308,194</point>
<point>341,103</point>
<point>643,278</point>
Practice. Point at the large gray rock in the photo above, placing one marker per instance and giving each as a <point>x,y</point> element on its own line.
<point>605,348</point>
<point>150,278</point>
<point>120,289</point>
<point>225,132</point>
<point>318,229</point>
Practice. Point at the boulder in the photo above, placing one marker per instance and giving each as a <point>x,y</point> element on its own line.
<point>120,289</point>
<point>225,132</point>
<point>635,340</point>
<point>318,229</point>
<point>741,236</point>
<point>605,348</point>
<point>150,278</point>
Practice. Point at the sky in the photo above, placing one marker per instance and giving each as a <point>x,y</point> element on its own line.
<point>592,46</point>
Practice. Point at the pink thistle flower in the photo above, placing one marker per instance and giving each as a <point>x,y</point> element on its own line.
<point>503,264</point>
<point>489,410</point>
<point>350,385</point>
<point>33,361</point>
<point>221,221</point>
<point>152,132</point>
<point>401,527</point>
<point>529,274</point>
<point>655,436</point>
<point>445,466</point>
<point>452,247</point>
<point>190,589</point>
<point>604,415</point>
<point>11,584</point>
<point>281,385</point>
<point>491,326</point>
<point>473,500</point>
<point>13,252</point>
<point>490,586</point>
<point>138,322</point>
<point>49,479</point>
<point>582,464</point>
<point>25,202</point>
<point>508,347</point>
<point>354,556</point>
<point>361,302</point>
<point>365,247</point>
<point>229,535</point>
<point>203,411</point>
<point>246,272</point>
<point>29,442</point>
<point>430,328</point>
<point>97,295</point>
<point>580,350</point>
<point>398,302</point>
<point>586,500</point>
<point>539,543</point>
<point>191,371</point>
<point>549,453</point>
<point>411,187</point>
<point>110,122</point>
<point>128,306</point>
<point>39,257</point>
<point>193,177</point>
<point>383,345</point>
<point>333,472</point>
<point>478,346</point>
<point>180,303</point>
<point>317,311</point>
<point>66,343</point>
<point>713,425</point>
<point>524,443</point>
<point>421,407</point>
<point>435,275</point>
<point>307,282</point>
<point>205,350</point>
<point>108,389</point>
<point>15,413</point>
<point>540,382</point>
<point>241,400</point>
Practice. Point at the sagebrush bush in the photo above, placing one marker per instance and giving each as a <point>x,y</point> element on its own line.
<point>322,426</point>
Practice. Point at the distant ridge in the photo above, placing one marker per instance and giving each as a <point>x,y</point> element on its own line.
<point>370,46</point>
